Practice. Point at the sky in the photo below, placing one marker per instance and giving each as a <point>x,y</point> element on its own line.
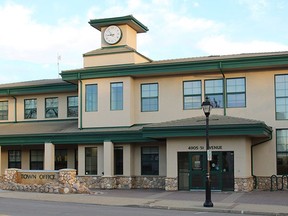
<point>40,38</point>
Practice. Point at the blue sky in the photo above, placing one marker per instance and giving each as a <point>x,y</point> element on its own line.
<point>35,32</point>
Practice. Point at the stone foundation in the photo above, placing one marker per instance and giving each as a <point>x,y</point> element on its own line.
<point>123,182</point>
<point>264,183</point>
<point>171,184</point>
<point>243,184</point>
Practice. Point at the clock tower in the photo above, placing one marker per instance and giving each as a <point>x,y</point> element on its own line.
<point>118,42</point>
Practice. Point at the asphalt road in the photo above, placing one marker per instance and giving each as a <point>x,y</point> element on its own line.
<point>18,207</point>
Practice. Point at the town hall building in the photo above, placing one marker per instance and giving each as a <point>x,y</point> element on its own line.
<point>126,121</point>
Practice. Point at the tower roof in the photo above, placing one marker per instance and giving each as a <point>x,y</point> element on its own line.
<point>129,20</point>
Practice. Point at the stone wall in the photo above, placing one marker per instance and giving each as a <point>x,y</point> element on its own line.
<point>243,184</point>
<point>123,182</point>
<point>66,183</point>
<point>264,183</point>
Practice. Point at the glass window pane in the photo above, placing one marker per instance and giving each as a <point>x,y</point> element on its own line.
<point>150,161</point>
<point>91,98</point>
<point>3,110</point>
<point>213,86</point>
<point>91,161</point>
<point>149,97</point>
<point>51,107</point>
<point>30,108</point>
<point>72,106</point>
<point>117,96</point>
<point>216,100</point>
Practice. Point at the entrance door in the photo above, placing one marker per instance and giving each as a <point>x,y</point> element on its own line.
<point>216,171</point>
<point>192,168</point>
<point>197,171</point>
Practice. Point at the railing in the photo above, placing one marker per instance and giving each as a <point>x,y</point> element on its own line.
<point>274,179</point>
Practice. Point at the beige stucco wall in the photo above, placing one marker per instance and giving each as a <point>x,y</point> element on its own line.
<point>62,106</point>
<point>105,117</point>
<point>240,146</point>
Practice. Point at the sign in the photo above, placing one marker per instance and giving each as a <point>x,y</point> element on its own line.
<point>209,155</point>
<point>202,148</point>
<point>37,177</point>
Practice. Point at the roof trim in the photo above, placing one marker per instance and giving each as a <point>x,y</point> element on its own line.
<point>129,20</point>
<point>182,66</point>
<point>24,88</point>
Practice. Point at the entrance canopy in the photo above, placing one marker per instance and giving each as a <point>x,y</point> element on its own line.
<point>218,126</point>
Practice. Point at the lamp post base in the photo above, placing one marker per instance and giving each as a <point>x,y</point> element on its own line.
<point>208,203</point>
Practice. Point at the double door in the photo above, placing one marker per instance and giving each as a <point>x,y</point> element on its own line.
<point>192,169</point>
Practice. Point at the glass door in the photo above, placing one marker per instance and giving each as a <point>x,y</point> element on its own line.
<point>216,171</point>
<point>228,171</point>
<point>197,171</point>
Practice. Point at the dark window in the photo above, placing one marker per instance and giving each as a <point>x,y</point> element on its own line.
<point>91,98</point>
<point>192,94</point>
<point>3,110</point>
<point>60,159</point>
<point>236,93</point>
<point>36,159</point>
<point>214,91</point>
<point>282,151</point>
<point>118,160</point>
<point>116,91</point>
<point>150,161</point>
<point>72,106</point>
<point>51,107</point>
<point>281,87</point>
<point>149,97</point>
<point>30,108</point>
<point>14,159</point>
<point>91,161</point>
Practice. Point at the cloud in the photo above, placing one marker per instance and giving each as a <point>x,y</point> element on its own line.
<point>257,8</point>
<point>221,45</point>
<point>23,38</point>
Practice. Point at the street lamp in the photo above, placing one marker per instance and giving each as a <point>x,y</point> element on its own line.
<point>206,106</point>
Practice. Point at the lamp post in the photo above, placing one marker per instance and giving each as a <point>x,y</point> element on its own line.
<point>206,106</point>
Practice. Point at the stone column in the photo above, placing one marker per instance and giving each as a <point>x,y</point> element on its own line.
<point>108,159</point>
<point>49,156</point>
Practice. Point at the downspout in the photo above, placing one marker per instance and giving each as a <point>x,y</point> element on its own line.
<point>252,147</point>
<point>15,109</point>
<point>80,111</point>
<point>224,89</point>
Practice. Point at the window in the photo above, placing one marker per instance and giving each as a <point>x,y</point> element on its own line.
<point>14,159</point>
<point>60,159</point>
<point>236,96</point>
<point>149,97</point>
<point>30,108</point>
<point>150,161</point>
<point>91,98</point>
<point>214,91</point>
<point>192,94</point>
<point>281,92</point>
<point>3,110</point>
<point>72,106</point>
<point>118,160</point>
<point>36,159</point>
<point>51,107</point>
<point>91,161</point>
<point>116,91</point>
<point>282,151</point>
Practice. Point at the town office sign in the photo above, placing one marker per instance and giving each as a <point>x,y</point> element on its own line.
<point>37,177</point>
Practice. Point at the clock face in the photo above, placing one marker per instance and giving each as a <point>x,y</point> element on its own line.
<point>112,34</point>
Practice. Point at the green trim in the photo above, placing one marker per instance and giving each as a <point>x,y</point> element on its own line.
<point>129,20</point>
<point>81,105</point>
<point>38,121</point>
<point>38,89</point>
<point>75,138</point>
<point>214,130</point>
<point>178,67</point>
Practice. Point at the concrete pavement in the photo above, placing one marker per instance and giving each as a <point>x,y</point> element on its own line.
<point>256,202</point>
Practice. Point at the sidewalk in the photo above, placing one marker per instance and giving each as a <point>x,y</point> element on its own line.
<point>256,202</point>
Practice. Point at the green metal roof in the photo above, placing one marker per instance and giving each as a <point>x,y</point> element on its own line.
<point>67,131</point>
<point>198,65</point>
<point>37,87</point>
<point>129,20</point>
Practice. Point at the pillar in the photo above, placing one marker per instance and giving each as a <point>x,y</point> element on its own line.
<point>127,162</point>
<point>49,156</point>
<point>108,159</point>
<point>0,161</point>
